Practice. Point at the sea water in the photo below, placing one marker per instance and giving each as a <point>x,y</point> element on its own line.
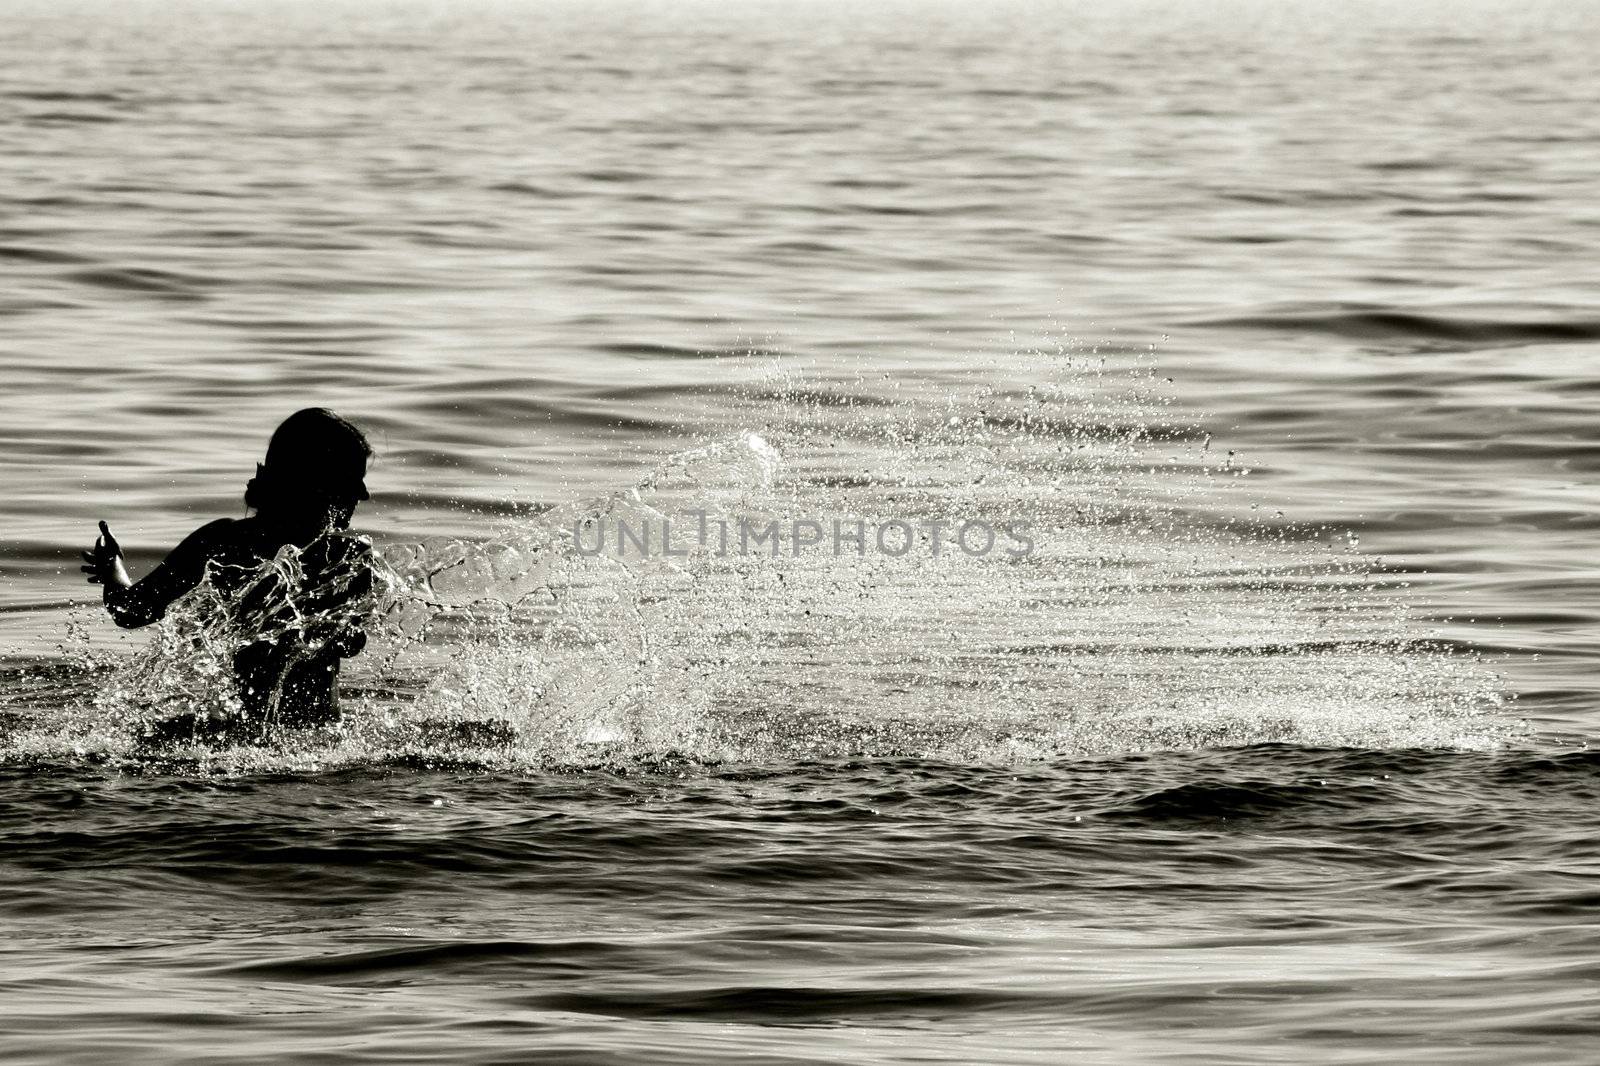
<point>1265,329</point>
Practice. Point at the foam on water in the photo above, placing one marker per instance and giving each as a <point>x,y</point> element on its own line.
<point>1133,622</point>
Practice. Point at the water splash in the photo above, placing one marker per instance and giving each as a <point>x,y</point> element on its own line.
<point>1145,614</point>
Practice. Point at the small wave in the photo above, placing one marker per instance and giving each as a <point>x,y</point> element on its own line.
<point>1299,197</point>
<point>512,409</point>
<point>1076,90</point>
<point>792,1005</point>
<point>1402,166</point>
<point>434,960</point>
<point>908,211</point>
<point>1232,801</point>
<point>656,350</point>
<point>1249,238</point>
<point>26,254</point>
<point>614,176</point>
<point>145,280</point>
<point>867,183</point>
<point>10,307</point>
<point>71,118</point>
<point>541,192</point>
<point>1442,212</point>
<point>63,96</point>
<point>1383,324</point>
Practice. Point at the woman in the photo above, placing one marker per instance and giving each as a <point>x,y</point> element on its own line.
<point>294,614</point>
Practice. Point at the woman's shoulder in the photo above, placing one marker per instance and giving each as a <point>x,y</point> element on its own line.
<point>228,541</point>
<point>219,534</point>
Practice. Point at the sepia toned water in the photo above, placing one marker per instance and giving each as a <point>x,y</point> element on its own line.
<point>1272,325</point>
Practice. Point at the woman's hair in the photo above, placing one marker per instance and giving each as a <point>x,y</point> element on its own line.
<point>313,454</point>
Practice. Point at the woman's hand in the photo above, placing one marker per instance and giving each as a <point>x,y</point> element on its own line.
<point>103,563</point>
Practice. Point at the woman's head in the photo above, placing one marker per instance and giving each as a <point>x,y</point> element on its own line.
<point>314,472</point>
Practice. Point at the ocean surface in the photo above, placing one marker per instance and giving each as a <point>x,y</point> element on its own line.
<point>1216,387</point>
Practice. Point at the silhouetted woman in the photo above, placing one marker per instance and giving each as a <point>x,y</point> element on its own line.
<point>293,614</point>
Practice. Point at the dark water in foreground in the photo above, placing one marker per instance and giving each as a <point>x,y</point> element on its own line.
<point>1203,906</point>
<point>1275,323</point>
<point>1357,906</point>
